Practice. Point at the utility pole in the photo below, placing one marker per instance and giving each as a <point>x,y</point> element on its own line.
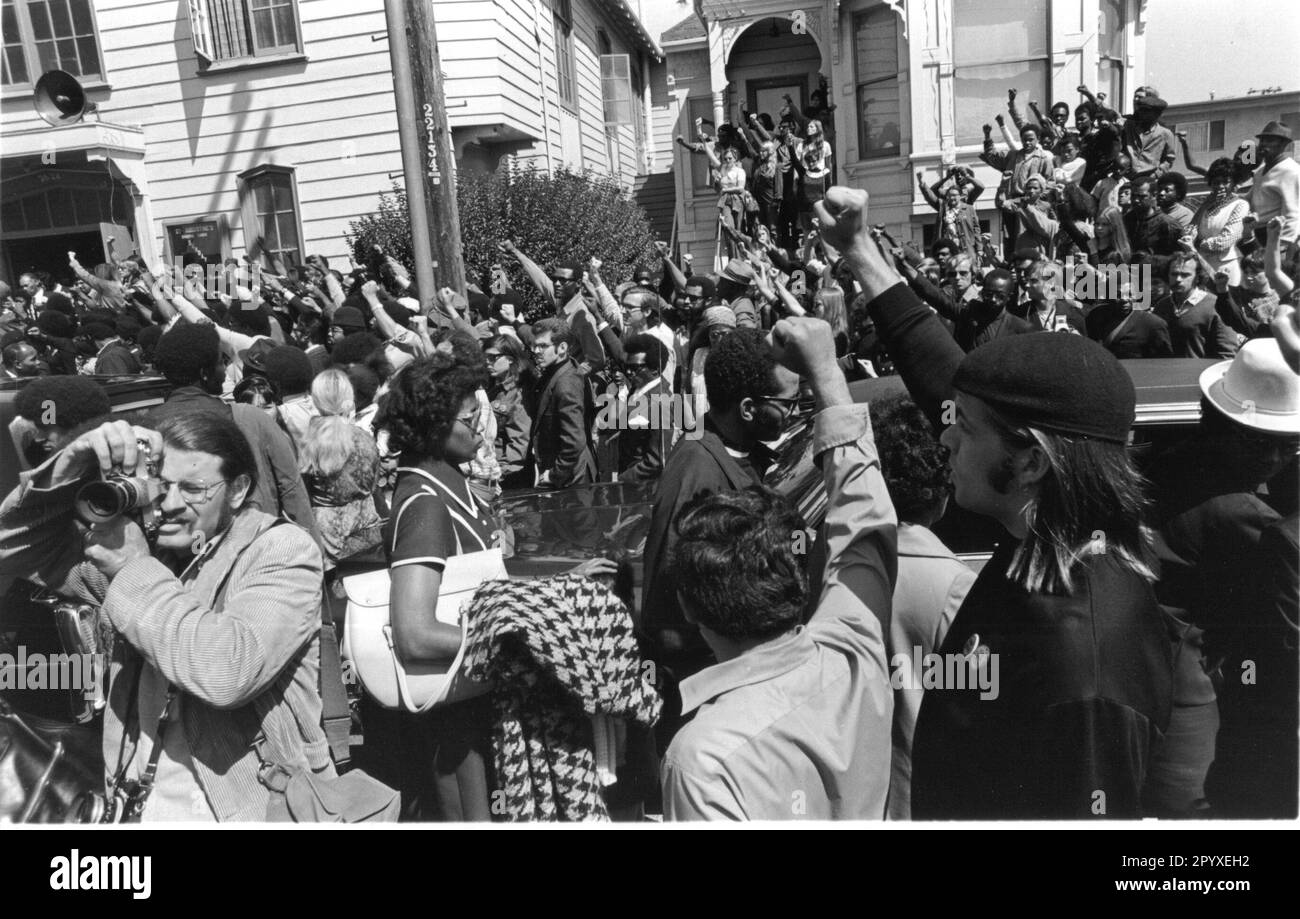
<point>427,160</point>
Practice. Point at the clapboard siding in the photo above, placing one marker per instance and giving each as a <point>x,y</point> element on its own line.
<point>332,118</point>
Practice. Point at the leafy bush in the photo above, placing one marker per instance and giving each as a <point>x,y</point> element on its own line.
<point>567,216</point>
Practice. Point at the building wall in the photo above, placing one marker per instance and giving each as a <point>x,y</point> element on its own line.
<point>927,98</point>
<point>1242,117</point>
<point>332,116</point>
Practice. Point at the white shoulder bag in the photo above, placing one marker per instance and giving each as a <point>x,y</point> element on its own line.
<point>368,635</point>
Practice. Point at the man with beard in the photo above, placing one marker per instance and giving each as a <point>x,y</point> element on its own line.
<point>1195,327</point>
<point>1063,635</point>
<point>189,356</point>
<point>219,619</point>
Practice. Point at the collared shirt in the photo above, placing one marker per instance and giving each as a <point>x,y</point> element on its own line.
<point>1193,298</point>
<point>798,727</point>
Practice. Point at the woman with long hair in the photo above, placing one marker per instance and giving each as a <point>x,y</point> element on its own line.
<point>340,466</point>
<point>512,378</point>
<point>813,157</point>
<point>1217,225</point>
<point>332,394</point>
<point>443,757</point>
<point>1063,654</point>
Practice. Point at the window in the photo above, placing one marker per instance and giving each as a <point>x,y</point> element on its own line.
<point>41,35</point>
<point>997,45</point>
<point>1111,23</point>
<point>226,30</point>
<point>269,201</point>
<point>1203,136</point>
<point>564,70</point>
<point>875,68</point>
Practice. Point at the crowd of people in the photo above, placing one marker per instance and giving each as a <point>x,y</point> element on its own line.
<point>1117,617</point>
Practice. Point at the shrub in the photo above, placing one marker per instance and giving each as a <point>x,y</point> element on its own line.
<point>568,215</point>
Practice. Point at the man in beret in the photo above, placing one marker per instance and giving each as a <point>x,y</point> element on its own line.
<point>1148,143</point>
<point>1062,680</point>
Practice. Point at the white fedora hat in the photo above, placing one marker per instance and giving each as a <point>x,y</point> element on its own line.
<point>1256,388</point>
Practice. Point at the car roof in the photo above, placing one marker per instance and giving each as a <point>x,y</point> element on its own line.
<point>1168,389</point>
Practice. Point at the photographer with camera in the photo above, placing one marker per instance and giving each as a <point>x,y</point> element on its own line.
<point>217,612</point>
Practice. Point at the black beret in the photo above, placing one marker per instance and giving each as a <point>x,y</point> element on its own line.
<point>1065,384</point>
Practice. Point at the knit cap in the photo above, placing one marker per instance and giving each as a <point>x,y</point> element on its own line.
<point>1064,384</point>
<point>720,316</point>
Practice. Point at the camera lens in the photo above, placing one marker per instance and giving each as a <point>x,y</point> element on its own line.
<point>98,502</point>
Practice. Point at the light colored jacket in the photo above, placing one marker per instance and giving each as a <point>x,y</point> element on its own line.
<point>798,727</point>
<point>932,582</point>
<point>247,664</point>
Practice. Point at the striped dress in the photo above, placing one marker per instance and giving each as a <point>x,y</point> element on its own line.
<point>442,759</point>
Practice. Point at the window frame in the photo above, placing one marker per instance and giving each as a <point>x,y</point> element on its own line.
<point>248,205</point>
<point>27,41</point>
<point>274,54</point>
<point>859,84</point>
<point>1045,58</point>
<point>1116,65</point>
<point>1209,127</point>
<point>566,64</point>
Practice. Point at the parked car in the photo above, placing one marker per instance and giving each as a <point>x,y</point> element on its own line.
<point>555,530</point>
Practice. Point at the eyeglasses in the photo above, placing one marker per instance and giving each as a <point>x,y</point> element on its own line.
<point>541,347</point>
<point>194,494</point>
<point>789,407</point>
<point>470,420</point>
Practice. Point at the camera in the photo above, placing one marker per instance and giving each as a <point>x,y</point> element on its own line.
<point>117,494</point>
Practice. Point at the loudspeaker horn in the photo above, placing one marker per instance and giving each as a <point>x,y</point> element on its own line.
<point>60,99</point>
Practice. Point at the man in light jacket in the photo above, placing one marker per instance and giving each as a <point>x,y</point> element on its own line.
<point>219,620</point>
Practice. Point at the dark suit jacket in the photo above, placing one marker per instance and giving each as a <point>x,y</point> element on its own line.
<point>117,358</point>
<point>695,468</point>
<point>645,440</point>
<point>560,441</point>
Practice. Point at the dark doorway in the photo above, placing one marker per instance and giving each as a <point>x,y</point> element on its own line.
<point>50,253</point>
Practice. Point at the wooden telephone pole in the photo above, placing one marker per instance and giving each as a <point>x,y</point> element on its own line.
<point>427,158</point>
